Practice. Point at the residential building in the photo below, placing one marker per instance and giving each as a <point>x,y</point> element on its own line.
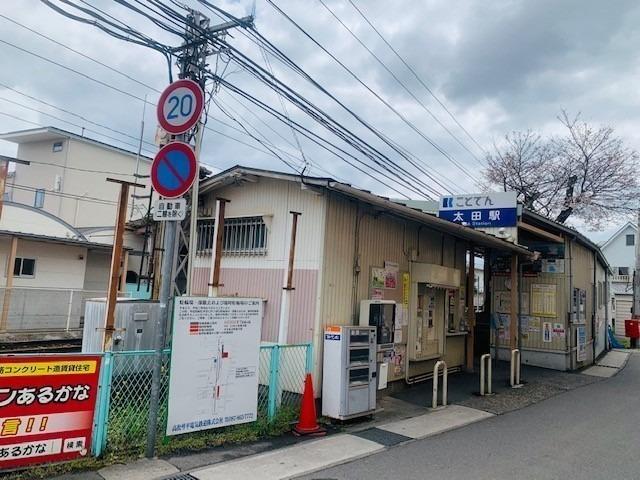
<point>351,246</point>
<point>620,251</point>
<point>67,176</point>
<point>50,268</point>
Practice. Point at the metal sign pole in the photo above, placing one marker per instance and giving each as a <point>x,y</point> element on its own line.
<point>163,320</point>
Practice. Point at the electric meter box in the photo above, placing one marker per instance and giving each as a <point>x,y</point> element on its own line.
<point>349,372</point>
<point>380,314</point>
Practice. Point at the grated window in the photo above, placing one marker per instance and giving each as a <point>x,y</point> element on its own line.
<point>241,236</point>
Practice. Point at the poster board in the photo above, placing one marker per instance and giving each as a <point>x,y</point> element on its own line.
<point>581,343</point>
<point>543,300</point>
<point>47,403</point>
<point>214,363</point>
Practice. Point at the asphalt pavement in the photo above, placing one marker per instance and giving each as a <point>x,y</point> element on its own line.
<point>591,432</point>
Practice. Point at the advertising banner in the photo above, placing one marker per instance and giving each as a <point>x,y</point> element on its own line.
<point>47,404</point>
<point>214,363</point>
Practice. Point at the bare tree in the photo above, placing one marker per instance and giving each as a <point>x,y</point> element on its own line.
<point>587,174</point>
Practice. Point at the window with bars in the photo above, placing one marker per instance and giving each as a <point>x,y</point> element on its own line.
<point>241,236</point>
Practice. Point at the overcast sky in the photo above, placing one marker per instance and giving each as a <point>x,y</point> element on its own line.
<point>498,66</point>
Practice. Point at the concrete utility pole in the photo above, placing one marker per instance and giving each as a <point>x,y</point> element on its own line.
<point>192,61</point>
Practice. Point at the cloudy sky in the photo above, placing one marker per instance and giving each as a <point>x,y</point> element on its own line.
<point>496,65</point>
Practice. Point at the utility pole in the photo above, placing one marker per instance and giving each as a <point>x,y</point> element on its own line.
<point>192,61</point>
<point>193,56</point>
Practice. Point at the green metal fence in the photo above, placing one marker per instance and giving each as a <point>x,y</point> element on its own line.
<point>125,388</point>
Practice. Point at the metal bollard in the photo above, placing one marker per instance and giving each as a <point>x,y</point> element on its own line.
<point>485,365</point>
<point>436,369</point>
<point>515,368</point>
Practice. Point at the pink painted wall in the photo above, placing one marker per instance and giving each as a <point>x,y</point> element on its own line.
<point>267,283</point>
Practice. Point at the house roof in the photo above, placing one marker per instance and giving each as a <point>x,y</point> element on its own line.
<point>556,227</point>
<point>619,232</point>
<point>239,173</point>
<point>57,240</point>
<point>52,133</point>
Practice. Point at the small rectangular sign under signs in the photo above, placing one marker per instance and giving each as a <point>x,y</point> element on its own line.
<point>170,209</point>
<point>47,404</point>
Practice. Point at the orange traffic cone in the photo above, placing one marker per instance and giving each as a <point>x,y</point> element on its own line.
<point>308,425</point>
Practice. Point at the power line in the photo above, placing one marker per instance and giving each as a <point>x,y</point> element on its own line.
<point>387,104</point>
<point>359,147</point>
<point>415,74</point>
<point>400,82</point>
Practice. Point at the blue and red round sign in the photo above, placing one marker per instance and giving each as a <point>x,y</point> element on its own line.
<point>180,106</point>
<point>174,169</point>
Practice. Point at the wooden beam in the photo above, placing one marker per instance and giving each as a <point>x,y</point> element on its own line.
<point>11,260</point>
<point>513,326</point>
<point>116,256</point>
<point>471,312</point>
<point>216,251</point>
<point>540,232</point>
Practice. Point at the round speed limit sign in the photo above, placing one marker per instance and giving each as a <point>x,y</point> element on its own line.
<point>180,106</point>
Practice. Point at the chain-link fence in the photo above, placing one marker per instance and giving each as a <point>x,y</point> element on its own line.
<point>126,388</point>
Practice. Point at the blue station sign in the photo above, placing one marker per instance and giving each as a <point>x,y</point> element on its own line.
<point>481,210</point>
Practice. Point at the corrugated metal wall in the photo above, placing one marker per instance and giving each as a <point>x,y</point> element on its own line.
<point>582,275</point>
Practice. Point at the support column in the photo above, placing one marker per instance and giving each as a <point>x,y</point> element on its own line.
<point>515,311</point>
<point>471,312</point>
<point>216,249</point>
<point>283,327</point>
<point>11,260</point>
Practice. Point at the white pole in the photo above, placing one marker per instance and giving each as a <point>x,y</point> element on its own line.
<point>193,226</point>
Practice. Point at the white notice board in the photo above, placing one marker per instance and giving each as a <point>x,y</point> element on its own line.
<point>214,363</point>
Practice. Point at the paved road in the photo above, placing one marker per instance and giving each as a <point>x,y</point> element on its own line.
<point>592,432</point>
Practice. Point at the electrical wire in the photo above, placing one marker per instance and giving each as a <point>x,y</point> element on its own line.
<point>400,82</point>
<point>417,77</point>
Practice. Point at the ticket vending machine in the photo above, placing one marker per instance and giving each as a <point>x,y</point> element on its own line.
<point>349,372</point>
<point>382,315</point>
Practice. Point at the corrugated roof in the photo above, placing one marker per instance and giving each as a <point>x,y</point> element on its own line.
<point>237,173</point>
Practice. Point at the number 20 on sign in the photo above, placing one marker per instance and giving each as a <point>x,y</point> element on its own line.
<point>180,106</point>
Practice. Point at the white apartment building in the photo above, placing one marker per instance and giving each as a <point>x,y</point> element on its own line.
<point>620,251</point>
<point>67,178</point>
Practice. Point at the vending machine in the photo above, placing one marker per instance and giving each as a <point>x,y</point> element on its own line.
<point>349,372</point>
<point>382,315</point>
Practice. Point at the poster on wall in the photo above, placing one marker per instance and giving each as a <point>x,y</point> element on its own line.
<point>377,277</point>
<point>46,408</point>
<point>581,343</point>
<point>213,378</point>
<point>391,271</point>
<point>377,294</point>
<point>558,330</point>
<point>547,332</point>
<point>524,326</point>
<point>502,301</point>
<point>534,324</point>
<point>524,303</point>
<point>552,265</point>
<point>406,286</point>
<point>543,300</point>
<point>504,325</point>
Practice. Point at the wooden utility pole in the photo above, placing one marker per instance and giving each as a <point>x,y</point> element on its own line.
<point>471,311</point>
<point>116,257</point>
<point>636,274</point>
<point>216,248</point>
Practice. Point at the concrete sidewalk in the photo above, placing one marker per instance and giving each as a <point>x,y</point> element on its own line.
<point>404,418</point>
